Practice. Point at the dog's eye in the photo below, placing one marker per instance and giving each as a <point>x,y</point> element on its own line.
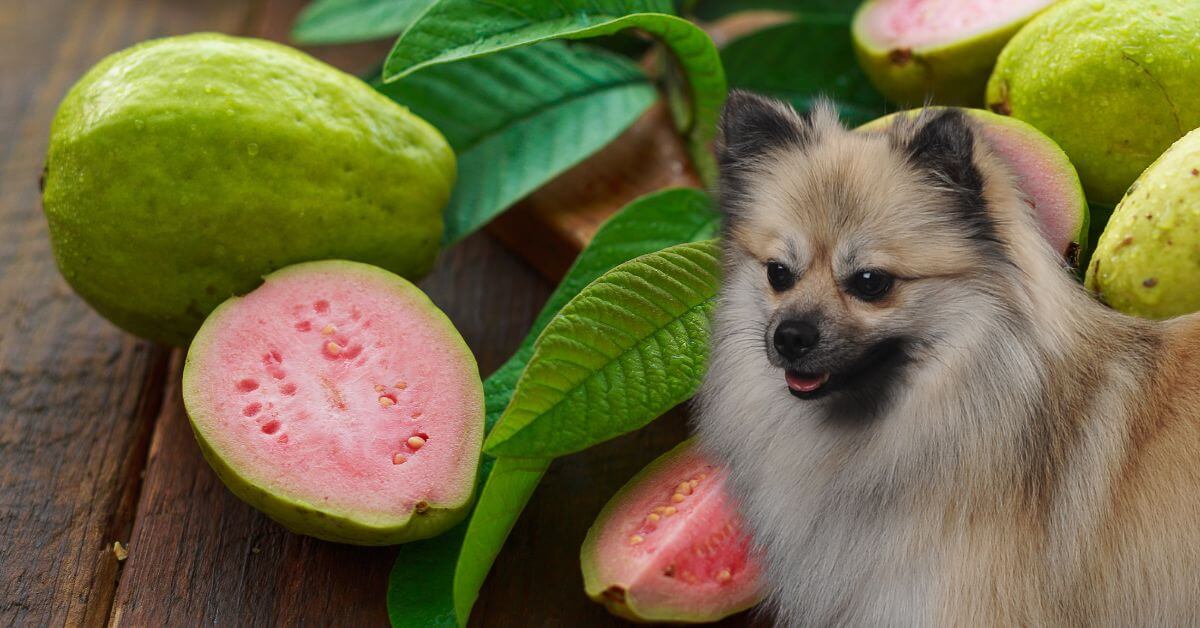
<point>869,285</point>
<point>779,276</point>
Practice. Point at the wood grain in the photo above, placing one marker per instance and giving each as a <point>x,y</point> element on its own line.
<point>77,397</point>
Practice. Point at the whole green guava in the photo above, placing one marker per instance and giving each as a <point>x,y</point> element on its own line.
<point>182,170</point>
<point>1114,82</point>
<point>1147,262</point>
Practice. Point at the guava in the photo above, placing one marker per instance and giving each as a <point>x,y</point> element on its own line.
<point>1147,262</point>
<point>1114,82</point>
<point>339,401</point>
<point>182,170</point>
<point>940,51</point>
<point>670,546</point>
<point>1046,177</point>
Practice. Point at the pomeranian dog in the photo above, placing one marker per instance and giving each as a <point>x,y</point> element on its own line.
<point>927,420</point>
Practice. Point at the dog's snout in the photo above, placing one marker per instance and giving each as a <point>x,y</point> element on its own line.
<point>794,338</point>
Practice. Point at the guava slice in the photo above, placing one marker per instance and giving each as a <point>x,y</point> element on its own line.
<point>1114,82</point>
<point>1147,261</point>
<point>338,400</point>
<point>938,50</point>
<point>182,170</point>
<point>670,546</point>
<point>1044,173</point>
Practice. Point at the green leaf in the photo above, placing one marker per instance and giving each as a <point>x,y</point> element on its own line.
<point>453,30</point>
<point>507,491</point>
<point>629,347</point>
<point>650,223</point>
<point>346,21</point>
<point>518,118</point>
<point>422,589</point>
<point>799,61</point>
<point>832,10</point>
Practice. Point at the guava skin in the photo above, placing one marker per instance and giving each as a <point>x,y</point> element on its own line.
<point>954,74</point>
<point>1114,82</point>
<point>1147,262</point>
<point>182,170</point>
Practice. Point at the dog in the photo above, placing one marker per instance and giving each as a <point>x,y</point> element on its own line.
<point>927,420</point>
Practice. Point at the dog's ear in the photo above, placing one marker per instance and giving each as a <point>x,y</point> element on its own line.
<point>751,125</point>
<point>944,146</point>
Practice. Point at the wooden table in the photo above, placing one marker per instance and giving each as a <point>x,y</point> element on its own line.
<point>94,445</point>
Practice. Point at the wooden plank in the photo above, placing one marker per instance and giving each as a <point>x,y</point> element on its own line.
<point>77,396</point>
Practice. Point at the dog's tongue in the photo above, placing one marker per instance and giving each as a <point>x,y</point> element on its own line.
<point>805,383</point>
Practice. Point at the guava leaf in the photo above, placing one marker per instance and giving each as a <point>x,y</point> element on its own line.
<point>423,587</point>
<point>346,21</point>
<point>801,60</point>
<point>453,30</point>
<point>832,10</point>
<point>507,491</point>
<point>650,223</point>
<point>518,118</point>
<point>630,346</point>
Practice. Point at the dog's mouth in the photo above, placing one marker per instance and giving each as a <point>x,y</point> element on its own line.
<point>874,366</point>
<point>804,385</point>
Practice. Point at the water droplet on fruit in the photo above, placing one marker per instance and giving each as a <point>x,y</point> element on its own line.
<point>252,149</point>
<point>139,124</point>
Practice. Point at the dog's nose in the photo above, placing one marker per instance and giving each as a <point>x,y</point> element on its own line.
<point>794,338</point>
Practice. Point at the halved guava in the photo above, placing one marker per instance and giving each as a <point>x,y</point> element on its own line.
<point>1045,175</point>
<point>338,400</point>
<point>670,546</point>
<point>938,50</point>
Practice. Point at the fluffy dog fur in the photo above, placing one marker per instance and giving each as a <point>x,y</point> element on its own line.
<point>998,447</point>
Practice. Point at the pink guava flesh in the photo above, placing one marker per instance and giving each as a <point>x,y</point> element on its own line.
<point>341,388</point>
<point>1052,193</point>
<point>918,24</point>
<point>670,546</point>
